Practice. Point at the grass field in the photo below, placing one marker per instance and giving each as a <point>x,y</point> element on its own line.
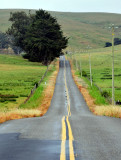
<point>83,29</point>
<point>37,98</point>
<point>101,61</point>
<point>17,78</point>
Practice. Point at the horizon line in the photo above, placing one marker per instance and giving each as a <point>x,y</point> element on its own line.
<point>60,11</point>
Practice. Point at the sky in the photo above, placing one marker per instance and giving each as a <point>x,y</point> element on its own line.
<point>111,6</point>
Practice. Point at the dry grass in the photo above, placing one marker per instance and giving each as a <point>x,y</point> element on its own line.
<point>41,110</point>
<point>18,114</point>
<point>111,111</point>
<point>102,110</point>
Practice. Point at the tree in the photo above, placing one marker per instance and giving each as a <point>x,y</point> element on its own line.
<point>117,41</point>
<point>108,44</point>
<point>39,35</point>
<point>4,40</point>
<point>20,22</point>
<point>17,50</point>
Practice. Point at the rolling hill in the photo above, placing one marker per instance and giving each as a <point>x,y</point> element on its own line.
<point>83,29</point>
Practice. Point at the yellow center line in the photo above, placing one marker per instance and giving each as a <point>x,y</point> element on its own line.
<point>69,130</point>
<point>71,149</point>
<point>71,138</point>
<point>63,155</point>
<point>63,129</point>
<point>68,99</point>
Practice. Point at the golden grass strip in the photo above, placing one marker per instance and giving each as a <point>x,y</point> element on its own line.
<point>108,110</point>
<point>18,114</point>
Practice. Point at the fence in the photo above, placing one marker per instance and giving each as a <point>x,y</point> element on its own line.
<point>36,86</point>
<point>78,67</point>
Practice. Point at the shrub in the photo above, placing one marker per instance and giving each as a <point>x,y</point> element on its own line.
<point>105,94</point>
<point>84,74</point>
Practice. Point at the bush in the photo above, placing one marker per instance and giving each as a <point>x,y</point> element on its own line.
<point>108,44</point>
<point>84,74</point>
<point>105,94</point>
<point>117,41</point>
<point>23,95</point>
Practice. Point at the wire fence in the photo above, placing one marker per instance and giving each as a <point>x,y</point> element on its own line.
<point>82,65</point>
<point>36,86</point>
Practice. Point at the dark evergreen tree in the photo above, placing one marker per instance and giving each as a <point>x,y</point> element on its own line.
<point>39,35</point>
<point>44,38</point>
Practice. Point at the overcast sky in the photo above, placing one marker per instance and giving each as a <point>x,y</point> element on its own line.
<point>113,6</point>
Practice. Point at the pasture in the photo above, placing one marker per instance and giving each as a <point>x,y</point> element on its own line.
<point>17,78</point>
<point>101,62</point>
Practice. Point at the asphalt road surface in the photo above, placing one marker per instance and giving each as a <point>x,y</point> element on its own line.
<point>68,131</point>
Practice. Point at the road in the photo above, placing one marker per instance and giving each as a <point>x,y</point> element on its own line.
<point>68,131</point>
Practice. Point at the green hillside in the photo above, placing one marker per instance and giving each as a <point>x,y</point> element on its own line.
<point>83,28</point>
<point>101,65</point>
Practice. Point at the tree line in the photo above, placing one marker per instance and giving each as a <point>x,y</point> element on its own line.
<point>117,41</point>
<point>39,35</point>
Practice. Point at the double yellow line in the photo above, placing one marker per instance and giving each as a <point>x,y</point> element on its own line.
<point>65,121</point>
<point>67,93</point>
<point>63,143</point>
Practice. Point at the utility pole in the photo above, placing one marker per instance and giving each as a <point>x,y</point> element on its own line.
<point>90,67</point>
<point>81,68</point>
<point>76,65</point>
<point>113,94</point>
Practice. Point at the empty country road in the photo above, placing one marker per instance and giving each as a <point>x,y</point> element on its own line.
<point>68,131</point>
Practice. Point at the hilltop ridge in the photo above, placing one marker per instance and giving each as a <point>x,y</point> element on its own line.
<point>83,29</point>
